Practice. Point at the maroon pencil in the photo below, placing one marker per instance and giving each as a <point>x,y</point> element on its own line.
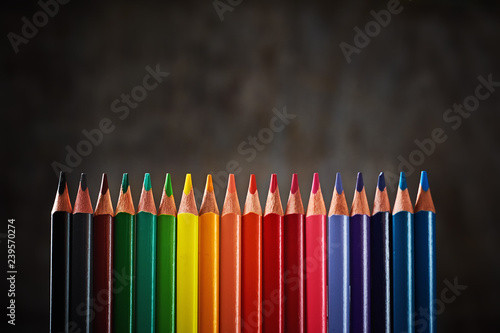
<point>294,260</point>
<point>103,260</point>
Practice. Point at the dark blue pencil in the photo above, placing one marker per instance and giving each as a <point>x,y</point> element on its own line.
<point>425,258</point>
<point>338,261</point>
<point>380,260</point>
<point>402,260</point>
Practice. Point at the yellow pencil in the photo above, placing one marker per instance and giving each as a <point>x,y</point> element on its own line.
<point>187,261</point>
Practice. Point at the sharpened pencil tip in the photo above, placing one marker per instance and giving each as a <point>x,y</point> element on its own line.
<point>295,184</point>
<point>359,182</point>
<point>83,181</point>
<point>381,182</point>
<point>338,184</point>
<point>147,182</point>
<point>274,183</point>
<point>188,184</point>
<point>231,184</point>
<point>168,185</point>
<point>62,182</point>
<point>402,181</point>
<point>209,185</point>
<point>315,185</point>
<point>424,182</point>
<point>252,187</point>
<point>104,183</point>
<point>124,182</point>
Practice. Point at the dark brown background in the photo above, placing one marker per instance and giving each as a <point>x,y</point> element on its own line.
<point>225,79</point>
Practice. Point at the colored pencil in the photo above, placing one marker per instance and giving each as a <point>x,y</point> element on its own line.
<point>59,257</point>
<point>338,261</point>
<point>146,259</point>
<point>315,251</point>
<point>425,256</point>
<point>380,251</point>
<point>272,262</point>
<point>294,259</point>
<point>81,261</point>
<point>165,260</point>
<point>124,261</point>
<point>230,261</point>
<point>103,259</point>
<point>187,261</point>
<point>208,261</point>
<point>359,234</point>
<point>251,257</point>
<point>402,260</point>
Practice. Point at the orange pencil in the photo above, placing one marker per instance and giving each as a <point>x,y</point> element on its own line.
<point>208,261</point>
<point>230,261</point>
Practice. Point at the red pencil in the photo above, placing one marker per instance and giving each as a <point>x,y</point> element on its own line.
<point>251,257</point>
<point>272,259</point>
<point>294,260</point>
<point>315,274</point>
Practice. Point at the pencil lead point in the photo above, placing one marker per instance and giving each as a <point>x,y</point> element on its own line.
<point>295,184</point>
<point>381,182</point>
<point>188,184</point>
<point>210,185</point>
<point>168,185</point>
<point>125,182</point>
<point>147,182</point>
<point>83,181</point>
<point>359,182</point>
<point>424,182</point>
<point>402,181</point>
<point>62,182</point>
<point>338,184</point>
<point>315,185</point>
<point>231,184</point>
<point>104,183</point>
<point>252,187</point>
<point>274,183</point>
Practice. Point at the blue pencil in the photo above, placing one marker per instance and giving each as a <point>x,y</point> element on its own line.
<point>425,258</point>
<point>338,261</point>
<point>402,263</point>
<point>380,252</point>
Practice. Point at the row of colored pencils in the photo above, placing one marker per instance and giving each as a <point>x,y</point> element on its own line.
<point>297,271</point>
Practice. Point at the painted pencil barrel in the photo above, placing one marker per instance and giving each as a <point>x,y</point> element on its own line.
<point>294,272</point>
<point>380,272</point>
<point>359,232</point>
<point>81,273</point>
<point>59,271</point>
<point>103,272</point>
<point>338,273</point>
<point>146,272</point>
<point>187,273</point>
<point>425,268</point>
<point>209,272</point>
<point>402,268</point>
<point>251,273</point>
<point>124,266</point>
<point>165,273</point>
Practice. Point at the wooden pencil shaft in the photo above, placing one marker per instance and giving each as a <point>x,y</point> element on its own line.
<point>59,271</point>
<point>81,273</point>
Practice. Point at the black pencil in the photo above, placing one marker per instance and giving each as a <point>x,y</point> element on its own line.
<point>59,258</point>
<point>81,262</point>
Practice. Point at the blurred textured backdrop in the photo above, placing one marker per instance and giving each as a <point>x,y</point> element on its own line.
<point>226,76</point>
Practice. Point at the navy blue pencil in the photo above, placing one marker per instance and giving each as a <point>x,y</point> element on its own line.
<point>380,251</point>
<point>338,261</point>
